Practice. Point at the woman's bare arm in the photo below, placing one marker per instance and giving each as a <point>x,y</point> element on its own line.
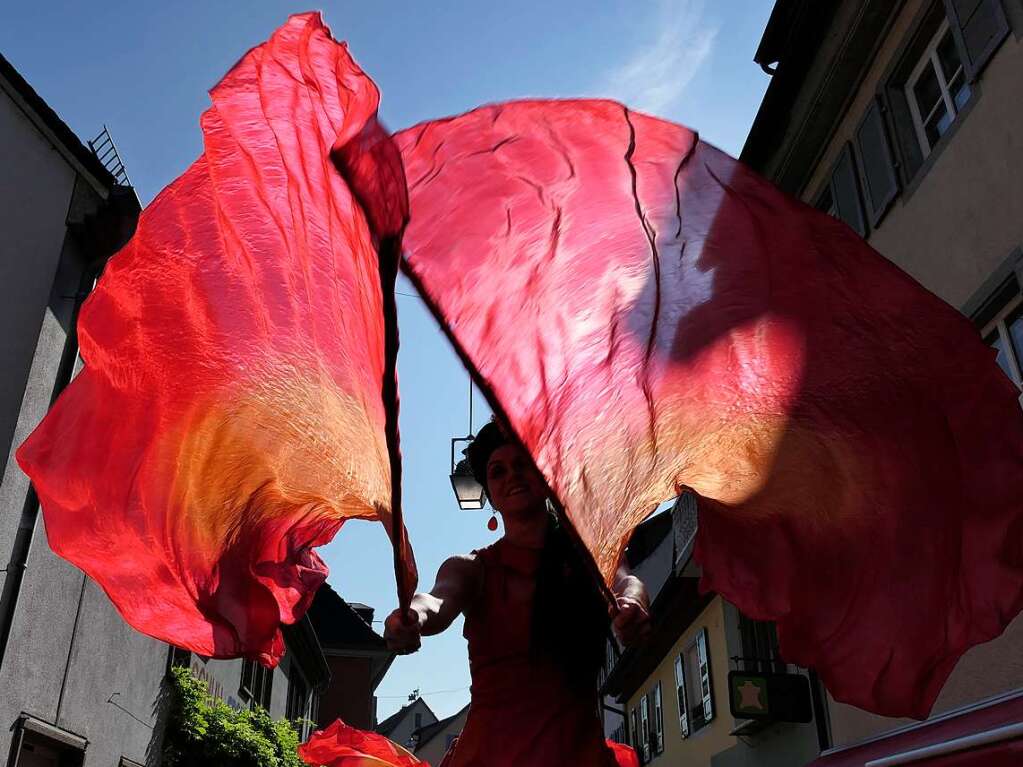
<point>632,621</point>
<point>456,588</point>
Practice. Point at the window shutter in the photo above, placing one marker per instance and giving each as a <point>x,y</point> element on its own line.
<point>658,720</point>
<point>634,721</point>
<point>645,725</point>
<point>680,685</point>
<point>705,683</point>
<point>979,27</point>
<point>880,184</point>
<point>846,194</point>
<point>907,144</point>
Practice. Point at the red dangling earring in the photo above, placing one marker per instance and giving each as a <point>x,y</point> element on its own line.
<point>492,524</point>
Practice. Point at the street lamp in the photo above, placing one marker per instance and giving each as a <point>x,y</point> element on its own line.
<point>468,492</point>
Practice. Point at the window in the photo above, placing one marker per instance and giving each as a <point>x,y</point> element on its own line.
<point>256,685</point>
<point>636,734</point>
<point>760,646</point>
<point>1004,334</point>
<point>619,735</point>
<point>297,710</point>
<point>658,714</point>
<point>680,690</point>
<point>841,198</point>
<point>938,89</point>
<point>935,76</point>
<point>644,728</point>
<point>40,744</point>
<point>178,657</point>
<point>418,721</point>
<point>695,693</point>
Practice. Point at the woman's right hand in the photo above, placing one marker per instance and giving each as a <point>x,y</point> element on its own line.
<point>403,631</point>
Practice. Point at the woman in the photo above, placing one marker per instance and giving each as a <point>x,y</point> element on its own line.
<point>535,623</point>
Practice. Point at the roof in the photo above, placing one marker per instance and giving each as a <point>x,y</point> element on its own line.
<point>821,51</point>
<point>391,723</point>
<point>339,626</point>
<point>425,734</point>
<point>67,138</point>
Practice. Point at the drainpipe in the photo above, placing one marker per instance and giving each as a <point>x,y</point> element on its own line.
<point>30,511</point>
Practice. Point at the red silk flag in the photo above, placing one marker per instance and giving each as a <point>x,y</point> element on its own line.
<point>650,315</point>
<point>340,745</point>
<point>230,415</point>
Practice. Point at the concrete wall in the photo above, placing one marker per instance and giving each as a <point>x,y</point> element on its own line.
<point>70,660</point>
<point>966,215</point>
<point>34,199</point>
<point>698,749</point>
<point>73,662</point>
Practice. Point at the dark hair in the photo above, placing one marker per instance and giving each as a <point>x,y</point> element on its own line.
<point>478,452</point>
<point>570,615</point>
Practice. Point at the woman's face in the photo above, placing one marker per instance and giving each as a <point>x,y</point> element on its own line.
<point>514,485</point>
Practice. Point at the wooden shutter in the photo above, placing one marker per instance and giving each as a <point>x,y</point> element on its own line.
<point>658,720</point>
<point>979,27</point>
<point>909,154</point>
<point>634,724</point>
<point>644,716</point>
<point>683,705</point>
<point>874,154</point>
<point>705,682</point>
<point>846,194</point>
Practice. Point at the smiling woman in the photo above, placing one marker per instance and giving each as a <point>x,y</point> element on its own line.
<point>535,622</point>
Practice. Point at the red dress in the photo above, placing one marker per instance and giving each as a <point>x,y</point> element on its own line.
<point>524,712</point>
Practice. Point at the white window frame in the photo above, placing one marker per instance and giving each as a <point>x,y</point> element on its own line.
<point>998,326</point>
<point>644,728</point>
<point>658,719</point>
<point>636,730</point>
<point>701,675</point>
<point>681,694</point>
<point>930,59</point>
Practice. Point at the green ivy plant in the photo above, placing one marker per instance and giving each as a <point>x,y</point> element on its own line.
<point>203,730</point>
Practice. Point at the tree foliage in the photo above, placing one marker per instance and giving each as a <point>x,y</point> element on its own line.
<point>204,730</point>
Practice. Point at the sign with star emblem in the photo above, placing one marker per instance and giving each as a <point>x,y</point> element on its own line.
<point>769,697</point>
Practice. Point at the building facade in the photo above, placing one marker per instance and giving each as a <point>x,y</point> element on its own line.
<point>78,686</point>
<point>435,740</point>
<point>674,688</point>
<point>292,690</point>
<point>904,118</point>
<point>356,656</point>
<point>403,725</point>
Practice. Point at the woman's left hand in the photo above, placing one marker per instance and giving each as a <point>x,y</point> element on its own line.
<point>632,622</point>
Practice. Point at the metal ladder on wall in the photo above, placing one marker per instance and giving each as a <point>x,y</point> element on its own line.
<point>106,152</point>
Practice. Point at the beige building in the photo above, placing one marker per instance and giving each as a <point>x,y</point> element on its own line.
<point>674,688</point>
<point>904,118</point>
<point>434,740</point>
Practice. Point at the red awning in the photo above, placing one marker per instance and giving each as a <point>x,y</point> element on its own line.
<point>984,735</point>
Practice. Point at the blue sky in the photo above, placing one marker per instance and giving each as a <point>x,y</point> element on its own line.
<point>143,69</point>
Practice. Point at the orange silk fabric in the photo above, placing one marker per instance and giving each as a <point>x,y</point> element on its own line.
<point>229,416</point>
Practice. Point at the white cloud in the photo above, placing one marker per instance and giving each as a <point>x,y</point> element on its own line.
<point>654,78</point>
